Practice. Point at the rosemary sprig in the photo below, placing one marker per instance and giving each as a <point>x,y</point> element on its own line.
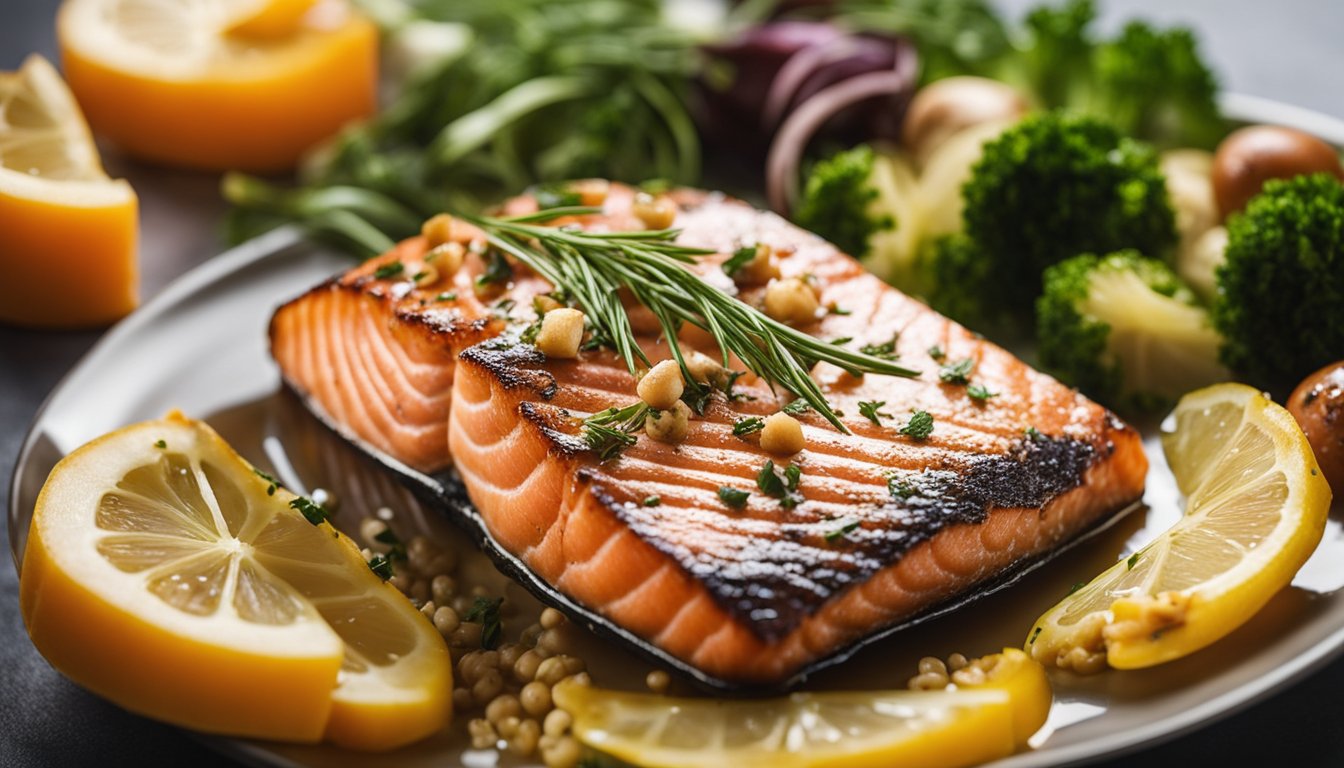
<point>592,267</point>
<point>609,432</point>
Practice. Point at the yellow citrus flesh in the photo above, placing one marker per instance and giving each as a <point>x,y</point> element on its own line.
<point>1256,506</point>
<point>960,726</point>
<point>181,83</point>
<point>162,573</point>
<point>69,232</point>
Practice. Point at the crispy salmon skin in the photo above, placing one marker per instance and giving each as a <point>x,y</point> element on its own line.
<point>881,526</point>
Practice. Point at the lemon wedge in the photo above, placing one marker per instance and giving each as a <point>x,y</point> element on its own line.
<point>1256,507</point>
<point>69,242</point>
<point>163,573</point>
<point>961,726</point>
<point>220,85</point>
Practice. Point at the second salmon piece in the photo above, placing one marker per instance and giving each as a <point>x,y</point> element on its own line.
<point>882,526</point>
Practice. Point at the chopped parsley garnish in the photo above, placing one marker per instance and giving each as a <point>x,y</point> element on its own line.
<point>869,409</point>
<point>792,475</point>
<point>936,352</point>
<point>747,425</point>
<point>446,296</point>
<point>497,270</point>
<point>1077,585</point>
<point>900,488</point>
<point>486,612</point>
<point>886,350</point>
<point>269,478</point>
<point>919,427</point>
<point>980,392</point>
<point>740,258</point>
<point>530,333</point>
<point>160,444</point>
<point>733,497</point>
<point>418,276</point>
<point>842,340</point>
<point>775,487</point>
<point>797,407</point>
<point>697,397</point>
<point>1132,561</point>
<point>836,309</point>
<point>503,307</point>
<point>557,196</point>
<point>652,501</point>
<point>1033,434</point>
<point>390,269</point>
<point>381,566</point>
<point>609,432</point>
<point>841,532</point>
<point>958,372</point>
<point>1034,635</point>
<point>396,550</point>
<point>315,513</point>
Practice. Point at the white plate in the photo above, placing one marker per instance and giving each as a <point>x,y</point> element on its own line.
<point>201,346</point>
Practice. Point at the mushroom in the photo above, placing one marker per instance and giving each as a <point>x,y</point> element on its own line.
<point>1250,156</point>
<point>1318,406</point>
<point>946,106</point>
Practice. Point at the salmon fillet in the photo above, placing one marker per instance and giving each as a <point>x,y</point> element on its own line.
<point>888,526</point>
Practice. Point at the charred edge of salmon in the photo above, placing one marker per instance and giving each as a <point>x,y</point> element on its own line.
<point>513,365</point>
<point>445,491</point>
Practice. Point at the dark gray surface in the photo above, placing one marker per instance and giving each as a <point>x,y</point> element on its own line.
<point>1285,49</point>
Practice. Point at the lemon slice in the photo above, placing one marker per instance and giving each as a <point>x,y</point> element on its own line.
<point>961,726</point>
<point>68,249</point>
<point>1256,507</point>
<point>163,573</point>
<point>219,84</point>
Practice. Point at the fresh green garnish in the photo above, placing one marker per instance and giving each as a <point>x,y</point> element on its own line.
<point>740,258</point>
<point>272,483</point>
<point>869,409</point>
<point>885,350</point>
<point>1077,585</point>
<point>611,431</point>
<point>382,566</point>
<point>733,497</point>
<point>486,612</point>
<point>936,352</point>
<point>841,532</point>
<point>390,269</point>
<point>446,296</point>
<point>957,373</point>
<point>594,267</point>
<point>557,196</point>
<point>919,427</point>
<point>1132,561</point>
<point>797,407</point>
<point>315,513</point>
<point>652,501</point>
<point>747,425</point>
<point>899,488</point>
<point>497,271</point>
<point>980,392</point>
<point>160,444</point>
<point>1034,635</point>
<point>770,483</point>
<point>842,340</point>
<point>836,309</point>
<point>396,550</point>
<point>1033,434</point>
<point>792,475</point>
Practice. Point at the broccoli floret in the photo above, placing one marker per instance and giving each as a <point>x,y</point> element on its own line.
<point>838,201</point>
<point>1152,84</point>
<point>1057,52</point>
<point>1124,329</point>
<point>1053,186</point>
<point>1280,301</point>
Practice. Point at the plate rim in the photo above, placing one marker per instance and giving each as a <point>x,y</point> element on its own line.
<point>1237,107</point>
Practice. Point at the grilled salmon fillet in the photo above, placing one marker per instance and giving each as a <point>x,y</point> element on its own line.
<point>885,526</point>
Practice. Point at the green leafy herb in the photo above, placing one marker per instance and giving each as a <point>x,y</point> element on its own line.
<point>382,566</point>
<point>269,478</point>
<point>503,307</point>
<point>1033,434</point>
<point>899,488</point>
<point>747,425</point>
<point>611,431</point>
<point>697,397</point>
<point>160,444</point>
<point>1077,585</point>
<point>980,392</point>
<point>792,475</point>
<point>557,196</point>
<point>919,427</point>
<point>869,409</point>
<point>1035,633</point>
<point>836,309</point>
<point>770,483</point>
<point>797,407</point>
<point>740,258</point>
<point>315,513</point>
<point>396,550</point>
<point>1132,561</point>
<point>839,533</point>
<point>418,276</point>
<point>733,497</point>
<point>594,267</point>
<point>957,373</point>
<point>486,612</point>
<point>842,340</point>
<point>497,271</point>
<point>885,350</point>
<point>652,501</point>
<point>446,296</point>
<point>936,352</point>
<point>390,269</point>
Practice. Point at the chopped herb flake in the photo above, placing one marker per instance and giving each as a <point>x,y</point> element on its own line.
<point>980,392</point>
<point>486,612</point>
<point>792,475</point>
<point>1033,434</point>
<point>886,350</point>
<point>936,352</point>
<point>609,432</point>
<point>697,397</point>
<point>747,425</point>
<point>396,550</point>
<point>900,488</point>
<point>421,275</point>
<point>446,296</point>
<point>1035,634</point>
<point>841,341</point>
<point>841,532</point>
<point>919,427</point>
<point>958,372</point>
<point>160,444</point>
<point>497,270</point>
<point>797,407</point>
<point>269,478</point>
<point>557,196</point>
<point>1132,561</point>
<point>652,501</point>
<point>1076,586</point>
<point>869,409</point>
<point>733,497</point>
<point>770,483</point>
<point>381,566</point>
<point>314,512</point>
<point>836,309</point>
<point>740,258</point>
<point>390,269</point>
